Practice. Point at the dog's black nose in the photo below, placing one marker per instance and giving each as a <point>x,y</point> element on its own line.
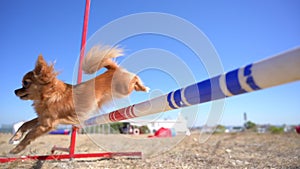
<point>16,91</point>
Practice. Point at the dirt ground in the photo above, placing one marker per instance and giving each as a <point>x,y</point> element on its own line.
<point>237,150</point>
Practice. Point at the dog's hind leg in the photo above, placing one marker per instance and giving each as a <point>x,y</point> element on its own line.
<point>138,85</point>
<point>23,129</point>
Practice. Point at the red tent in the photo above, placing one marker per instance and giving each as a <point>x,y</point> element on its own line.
<point>163,132</point>
<point>297,129</point>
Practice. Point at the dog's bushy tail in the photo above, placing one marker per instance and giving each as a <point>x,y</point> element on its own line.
<point>99,57</point>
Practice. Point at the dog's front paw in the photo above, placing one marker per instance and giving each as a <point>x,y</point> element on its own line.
<point>14,142</point>
<point>15,139</point>
<point>16,150</point>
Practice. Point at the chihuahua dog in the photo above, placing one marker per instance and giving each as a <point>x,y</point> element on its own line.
<point>56,102</point>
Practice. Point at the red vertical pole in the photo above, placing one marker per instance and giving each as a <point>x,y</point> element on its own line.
<point>83,39</point>
<point>79,76</point>
<point>73,141</point>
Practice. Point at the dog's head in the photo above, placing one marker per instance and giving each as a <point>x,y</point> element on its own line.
<point>36,81</point>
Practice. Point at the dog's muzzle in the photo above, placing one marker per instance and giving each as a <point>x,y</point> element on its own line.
<point>21,93</point>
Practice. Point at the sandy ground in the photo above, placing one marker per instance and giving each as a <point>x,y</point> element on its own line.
<point>242,150</point>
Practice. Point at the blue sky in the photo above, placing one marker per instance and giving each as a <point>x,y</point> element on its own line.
<point>242,32</point>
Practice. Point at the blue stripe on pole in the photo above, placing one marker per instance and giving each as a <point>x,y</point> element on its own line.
<point>250,81</point>
<point>233,84</point>
<point>252,84</point>
<point>247,70</point>
<point>178,99</point>
<point>192,94</point>
<point>205,90</point>
<point>217,92</point>
<point>201,92</point>
<point>198,93</point>
<point>169,98</point>
<point>210,90</point>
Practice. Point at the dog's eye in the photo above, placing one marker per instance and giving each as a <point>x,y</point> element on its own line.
<point>26,84</point>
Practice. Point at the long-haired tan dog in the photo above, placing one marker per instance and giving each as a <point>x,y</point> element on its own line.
<point>56,102</point>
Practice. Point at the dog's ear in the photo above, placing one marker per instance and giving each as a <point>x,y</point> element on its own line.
<point>44,72</point>
<point>40,65</point>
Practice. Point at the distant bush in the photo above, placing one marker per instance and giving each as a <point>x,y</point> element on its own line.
<point>144,129</point>
<point>117,126</point>
<point>220,129</point>
<point>250,125</point>
<point>276,130</point>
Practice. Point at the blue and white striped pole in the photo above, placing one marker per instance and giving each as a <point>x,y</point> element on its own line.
<point>277,70</point>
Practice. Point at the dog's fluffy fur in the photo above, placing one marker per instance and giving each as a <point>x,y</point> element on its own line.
<point>56,102</point>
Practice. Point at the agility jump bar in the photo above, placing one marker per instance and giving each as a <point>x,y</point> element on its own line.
<point>280,69</point>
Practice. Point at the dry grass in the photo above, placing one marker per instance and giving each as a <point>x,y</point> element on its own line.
<point>243,150</point>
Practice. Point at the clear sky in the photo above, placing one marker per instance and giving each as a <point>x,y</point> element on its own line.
<point>242,32</point>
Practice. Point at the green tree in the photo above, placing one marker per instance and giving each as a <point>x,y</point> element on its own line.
<point>250,125</point>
